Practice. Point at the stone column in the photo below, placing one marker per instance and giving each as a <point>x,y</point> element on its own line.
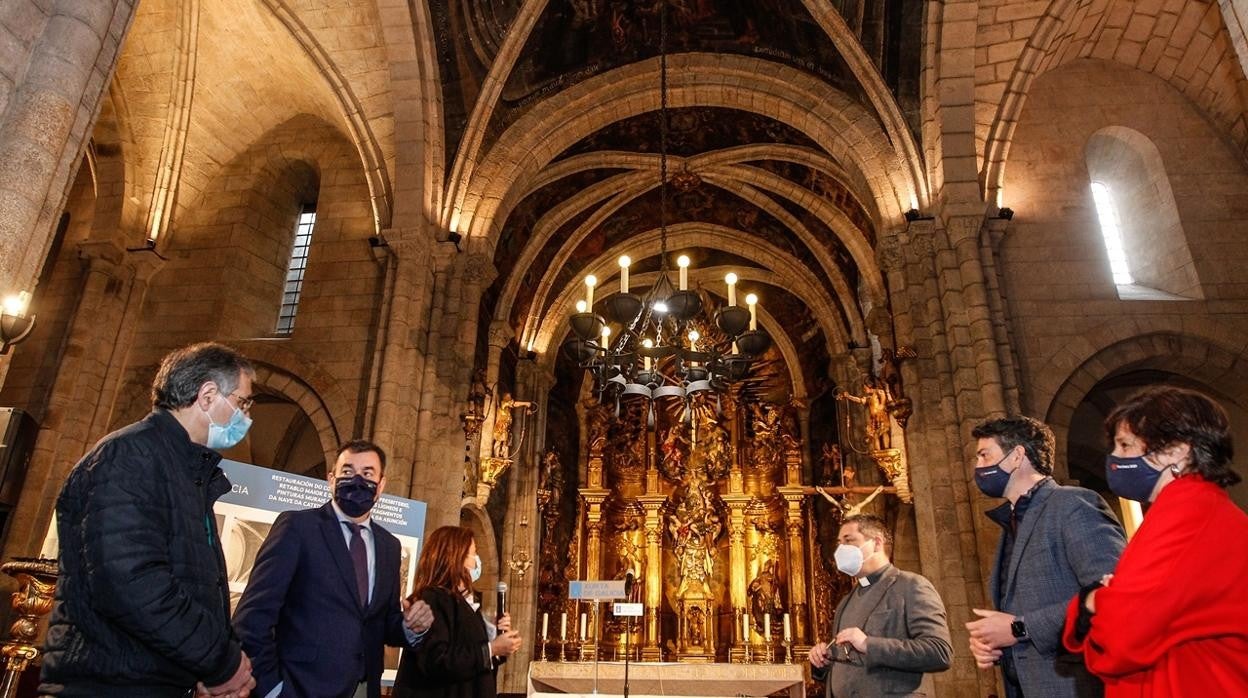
<point>45,121</point>
<point>98,340</point>
<point>1235,16</point>
<point>402,362</point>
<point>520,530</point>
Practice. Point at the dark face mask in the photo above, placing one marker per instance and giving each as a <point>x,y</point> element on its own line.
<point>1131,478</point>
<point>992,480</point>
<point>355,495</point>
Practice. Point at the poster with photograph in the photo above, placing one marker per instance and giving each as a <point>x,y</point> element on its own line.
<point>247,512</point>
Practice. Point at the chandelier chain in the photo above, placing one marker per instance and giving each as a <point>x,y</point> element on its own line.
<point>663,136</point>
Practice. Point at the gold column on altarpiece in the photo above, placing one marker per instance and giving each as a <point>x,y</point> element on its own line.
<point>652,504</point>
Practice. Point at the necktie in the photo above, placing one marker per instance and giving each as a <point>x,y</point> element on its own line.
<point>359,556</point>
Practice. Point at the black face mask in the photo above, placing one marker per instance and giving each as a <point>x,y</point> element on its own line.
<point>355,495</point>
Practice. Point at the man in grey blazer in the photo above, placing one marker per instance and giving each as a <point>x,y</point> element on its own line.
<point>889,631</point>
<point>1054,541</point>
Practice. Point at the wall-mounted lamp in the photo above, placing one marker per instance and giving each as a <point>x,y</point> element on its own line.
<point>1006,214</point>
<point>14,325</point>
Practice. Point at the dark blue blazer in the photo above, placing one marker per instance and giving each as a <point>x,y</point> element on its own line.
<point>300,619</point>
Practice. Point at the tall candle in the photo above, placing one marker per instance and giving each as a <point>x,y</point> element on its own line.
<point>767,627</point>
<point>731,280</point>
<point>583,619</point>
<point>648,343</point>
<point>788,633</point>
<point>683,263</point>
<point>745,626</point>
<point>545,625</point>
<point>590,282</point>
<point>752,301</point>
<point>624,262</point>
<point>563,626</point>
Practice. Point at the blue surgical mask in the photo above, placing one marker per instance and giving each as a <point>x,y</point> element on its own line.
<point>1131,477</point>
<point>228,435</point>
<point>992,480</point>
<point>476,571</point>
<point>355,495</point>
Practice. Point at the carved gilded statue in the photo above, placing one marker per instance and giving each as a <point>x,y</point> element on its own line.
<point>598,421</point>
<point>501,448</point>
<point>875,397</point>
<point>675,448</point>
<point>695,526</point>
<point>551,479</point>
<point>764,594</point>
<point>768,444</point>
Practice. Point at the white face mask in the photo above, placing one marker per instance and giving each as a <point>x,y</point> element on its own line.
<point>849,559</point>
<point>476,571</point>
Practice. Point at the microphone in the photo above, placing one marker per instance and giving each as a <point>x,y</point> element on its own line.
<point>502,600</point>
<point>629,580</point>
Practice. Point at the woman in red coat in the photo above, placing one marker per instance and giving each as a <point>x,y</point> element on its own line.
<point>1172,620</point>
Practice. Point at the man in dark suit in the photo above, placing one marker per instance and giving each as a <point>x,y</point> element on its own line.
<point>1054,541</point>
<point>890,630</point>
<point>323,597</point>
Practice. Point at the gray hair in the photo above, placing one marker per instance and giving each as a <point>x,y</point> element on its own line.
<point>184,371</point>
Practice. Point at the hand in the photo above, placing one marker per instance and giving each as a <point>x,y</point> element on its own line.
<point>417,616</point>
<point>853,637</point>
<point>819,655</point>
<point>985,656</point>
<point>504,623</point>
<point>1105,579</point>
<point>505,644</point>
<point>992,628</point>
<point>239,685</point>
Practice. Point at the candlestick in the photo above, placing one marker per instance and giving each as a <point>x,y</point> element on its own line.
<point>683,263</point>
<point>731,280</point>
<point>624,262</point>
<point>752,301</point>
<point>590,282</point>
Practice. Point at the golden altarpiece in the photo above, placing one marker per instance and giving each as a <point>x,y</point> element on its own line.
<point>704,502</point>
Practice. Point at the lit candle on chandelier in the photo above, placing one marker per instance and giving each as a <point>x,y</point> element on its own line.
<point>624,262</point>
<point>683,263</point>
<point>581,307</point>
<point>590,282</point>
<point>731,280</point>
<point>693,344</point>
<point>606,336</point>
<point>649,344</point>
<point>752,301</point>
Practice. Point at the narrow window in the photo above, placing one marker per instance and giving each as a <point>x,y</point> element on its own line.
<point>294,271</point>
<point>1111,230</point>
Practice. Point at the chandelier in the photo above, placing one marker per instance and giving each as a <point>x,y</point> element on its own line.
<point>649,346</point>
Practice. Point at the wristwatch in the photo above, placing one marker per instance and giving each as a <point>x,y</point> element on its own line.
<point>1019,628</point>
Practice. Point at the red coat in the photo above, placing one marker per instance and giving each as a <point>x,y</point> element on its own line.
<point>1174,620</point>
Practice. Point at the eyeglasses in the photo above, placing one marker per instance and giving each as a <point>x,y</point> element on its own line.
<point>244,403</point>
<point>840,653</point>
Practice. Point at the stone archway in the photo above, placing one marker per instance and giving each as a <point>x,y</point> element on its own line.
<point>475,519</point>
<point>1193,358</point>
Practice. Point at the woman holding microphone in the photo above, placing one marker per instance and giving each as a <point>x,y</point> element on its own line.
<point>461,652</point>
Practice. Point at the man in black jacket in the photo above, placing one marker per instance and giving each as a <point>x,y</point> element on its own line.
<point>142,603</point>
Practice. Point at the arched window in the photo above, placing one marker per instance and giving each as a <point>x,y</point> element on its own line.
<point>1139,220</point>
<point>295,269</point>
